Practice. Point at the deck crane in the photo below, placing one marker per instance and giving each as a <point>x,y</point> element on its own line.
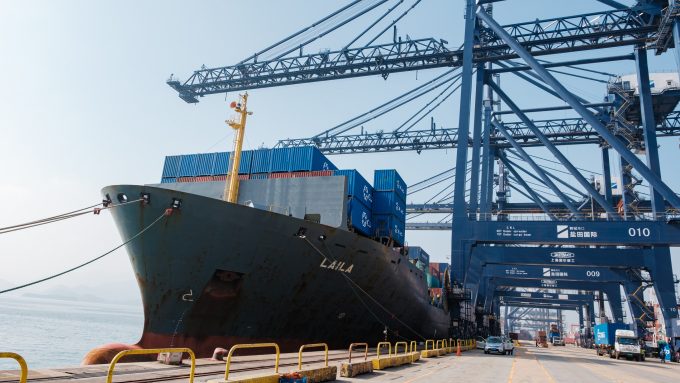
<point>238,123</point>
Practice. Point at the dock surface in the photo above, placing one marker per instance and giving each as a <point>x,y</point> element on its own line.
<point>528,364</point>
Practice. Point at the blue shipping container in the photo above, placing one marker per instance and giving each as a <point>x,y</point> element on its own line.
<point>204,164</point>
<point>307,159</point>
<point>605,333</point>
<point>388,202</point>
<point>279,160</point>
<point>359,217</point>
<point>261,160</point>
<point>390,226</point>
<point>171,166</point>
<point>168,180</point>
<point>417,252</point>
<point>357,186</point>
<point>246,162</point>
<point>221,163</point>
<point>389,180</point>
<point>188,166</point>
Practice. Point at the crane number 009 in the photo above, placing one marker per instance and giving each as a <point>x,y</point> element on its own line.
<point>639,232</point>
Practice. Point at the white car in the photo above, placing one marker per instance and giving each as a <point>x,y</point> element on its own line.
<point>498,345</point>
<point>481,342</point>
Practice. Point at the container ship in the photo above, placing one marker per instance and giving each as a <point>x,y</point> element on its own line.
<point>308,254</point>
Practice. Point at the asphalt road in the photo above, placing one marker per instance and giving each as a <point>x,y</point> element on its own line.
<point>529,364</point>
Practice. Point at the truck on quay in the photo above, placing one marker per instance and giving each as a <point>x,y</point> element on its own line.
<point>616,340</point>
<point>555,336</point>
<point>541,339</point>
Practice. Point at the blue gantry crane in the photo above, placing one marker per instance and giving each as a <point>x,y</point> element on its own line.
<point>565,209</point>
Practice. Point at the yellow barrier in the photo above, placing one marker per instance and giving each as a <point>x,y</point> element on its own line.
<point>396,348</point>
<point>253,345</point>
<point>429,353</point>
<point>21,361</point>
<point>147,351</point>
<point>389,348</point>
<point>413,346</point>
<point>313,345</point>
<point>428,342</point>
<point>440,345</point>
<point>350,370</point>
<point>351,346</point>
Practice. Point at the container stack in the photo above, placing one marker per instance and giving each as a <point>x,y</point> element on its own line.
<point>389,205</point>
<point>359,202</point>
<point>305,161</point>
<point>377,211</point>
<point>418,254</point>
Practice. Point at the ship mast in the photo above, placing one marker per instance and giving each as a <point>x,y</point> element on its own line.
<point>238,123</point>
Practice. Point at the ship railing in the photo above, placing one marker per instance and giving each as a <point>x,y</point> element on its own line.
<point>314,345</point>
<point>389,348</point>
<point>351,347</point>
<point>252,345</point>
<point>149,351</point>
<point>22,364</point>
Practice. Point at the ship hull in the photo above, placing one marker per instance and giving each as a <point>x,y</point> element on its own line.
<point>214,274</point>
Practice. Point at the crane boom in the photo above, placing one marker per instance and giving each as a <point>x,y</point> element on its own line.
<point>595,30</point>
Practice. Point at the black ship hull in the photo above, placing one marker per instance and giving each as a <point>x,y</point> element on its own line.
<point>213,274</point>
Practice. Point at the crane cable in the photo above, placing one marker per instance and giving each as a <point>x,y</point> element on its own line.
<point>60,217</point>
<point>165,214</point>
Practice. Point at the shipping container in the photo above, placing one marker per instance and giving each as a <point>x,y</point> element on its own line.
<point>357,186</point>
<point>387,225</point>
<point>433,281</point>
<point>308,158</point>
<point>204,164</point>
<point>186,179</point>
<point>279,160</point>
<point>418,253</point>
<point>359,217</point>
<point>259,176</point>
<point>168,180</point>
<point>605,333</point>
<point>388,202</point>
<point>171,166</point>
<point>188,166</point>
<point>222,163</point>
<point>224,178</point>
<point>282,175</point>
<point>260,161</point>
<point>316,173</point>
<point>389,180</point>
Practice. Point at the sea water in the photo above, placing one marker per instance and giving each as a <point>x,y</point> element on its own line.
<point>52,333</point>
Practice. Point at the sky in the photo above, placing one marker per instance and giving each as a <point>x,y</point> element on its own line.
<point>84,104</point>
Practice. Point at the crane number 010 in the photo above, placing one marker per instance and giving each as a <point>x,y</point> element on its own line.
<point>639,232</point>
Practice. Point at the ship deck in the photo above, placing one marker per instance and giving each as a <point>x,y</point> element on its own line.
<point>528,364</point>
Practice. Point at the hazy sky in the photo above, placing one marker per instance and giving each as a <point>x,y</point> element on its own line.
<point>84,104</point>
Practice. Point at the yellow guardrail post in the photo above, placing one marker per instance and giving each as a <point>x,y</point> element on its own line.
<point>396,348</point>
<point>351,347</point>
<point>313,345</point>
<point>147,351</point>
<point>428,342</point>
<point>21,361</point>
<point>389,348</point>
<point>252,345</point>
<point>413,346</point>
